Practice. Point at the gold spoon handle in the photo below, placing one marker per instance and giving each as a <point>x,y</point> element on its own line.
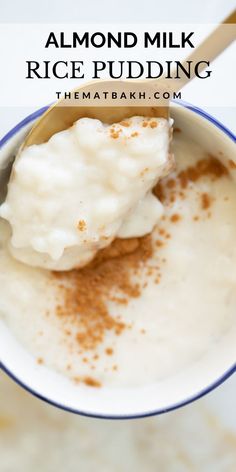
<point>210,48</point>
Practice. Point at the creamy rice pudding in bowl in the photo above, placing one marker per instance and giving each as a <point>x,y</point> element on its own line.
<point>130,311</point>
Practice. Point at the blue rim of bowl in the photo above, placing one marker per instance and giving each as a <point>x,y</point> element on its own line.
<point>145,414</point>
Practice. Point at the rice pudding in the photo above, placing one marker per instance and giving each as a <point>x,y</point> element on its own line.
<point>145,307</point>
<point>73,195</point>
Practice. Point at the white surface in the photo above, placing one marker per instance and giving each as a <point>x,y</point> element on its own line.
<point>183,11</point>
<point>151,11</point>
<point>37,437</point>
<point>100,11</point>
<point>216,90</point>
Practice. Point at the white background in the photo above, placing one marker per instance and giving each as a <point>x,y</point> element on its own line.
<point>127,11</point>
<point>120,11</point>
<point>22,42</point>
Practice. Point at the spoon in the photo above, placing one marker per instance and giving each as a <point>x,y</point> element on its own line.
<point>61,116</point>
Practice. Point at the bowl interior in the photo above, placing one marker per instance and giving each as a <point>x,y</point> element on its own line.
<point>169,393</point>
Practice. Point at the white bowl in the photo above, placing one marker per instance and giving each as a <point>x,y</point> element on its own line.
<point>170,393</point>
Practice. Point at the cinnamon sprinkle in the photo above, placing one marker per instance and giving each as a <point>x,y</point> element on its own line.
<point>210,167</point>
<point>175,218</point>
<point>109,351</point>
<point>85,292</point>
<point>40,360</point>
<point>153,124</point>
<point>232,164</point>
<point>89,381</point>
<point>126,124</point>
<point>205,201</point>
<point>207,167</point>
<point>171,183</point>
<point>81,225</point>
<point>112,276</point>
<point>114,135</point>
<point>159,192</point>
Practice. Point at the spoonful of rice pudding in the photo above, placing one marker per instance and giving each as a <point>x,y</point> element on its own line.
<point>73,195</point>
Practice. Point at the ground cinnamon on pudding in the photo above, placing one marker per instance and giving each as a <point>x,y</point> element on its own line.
<point>114,135</point>
<point>153,124</point>
<point>205,201</point>
<point>109,351</point>
<point>209,167</point>
<point>89,381</point>
<point>232,164</point>
<point>40,360</point>
<point>177,130</point>
<point>126,124</point>
<point>116,274</point>
<point>175,218</point>
<point>159,191</point>
<point>85,292</point>
<point>81,225</point>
